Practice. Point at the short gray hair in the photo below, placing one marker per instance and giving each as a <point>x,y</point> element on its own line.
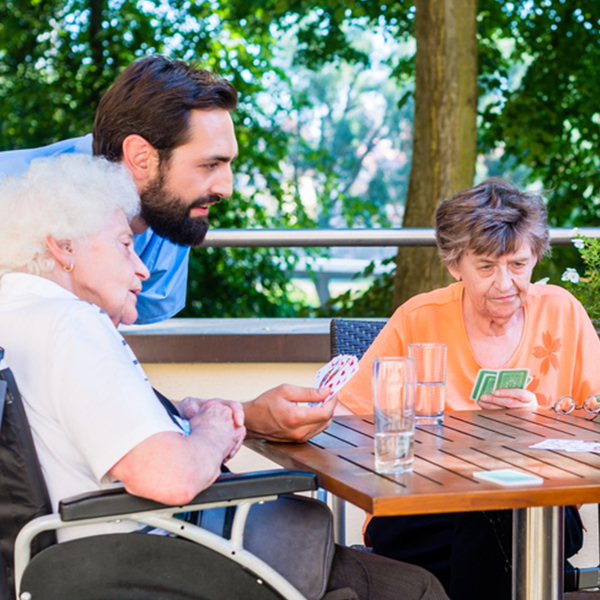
<point>68,197</point>
<point>492,218</point>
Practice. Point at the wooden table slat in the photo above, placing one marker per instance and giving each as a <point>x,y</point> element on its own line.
<point>556,426</point>
<point>493,428</point>
<point>352,436</point>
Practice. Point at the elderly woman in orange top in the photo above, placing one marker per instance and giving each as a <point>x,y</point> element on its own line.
<point>490,237</point>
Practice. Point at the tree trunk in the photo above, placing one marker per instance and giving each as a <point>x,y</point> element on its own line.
<point>445,131</point>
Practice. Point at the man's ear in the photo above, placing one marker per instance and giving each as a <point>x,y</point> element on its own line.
<point>62,251</point>
<point>141,158</point>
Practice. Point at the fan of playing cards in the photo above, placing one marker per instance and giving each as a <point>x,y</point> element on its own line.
<point>335,374</point>
<point>488,380</point>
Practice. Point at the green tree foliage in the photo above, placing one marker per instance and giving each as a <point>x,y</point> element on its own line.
<point>239,282</point>
<point>374,302</point>
<point>538,105</point>
<point>550,120</point>
<point>537,63</point>
<point>349,139</point>
<point>56,60</point>
<point>586,288</point>
<point>541,115</point>
<point>57,57</point>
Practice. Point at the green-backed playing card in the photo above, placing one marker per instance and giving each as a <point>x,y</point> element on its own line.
<point>487,381</point>
<point>483,373</point>
<point>509,379</point>
<point>488,385</point>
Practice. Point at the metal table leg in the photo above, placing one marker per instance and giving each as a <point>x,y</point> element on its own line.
<point>338,508</point>
<point>538,553</point>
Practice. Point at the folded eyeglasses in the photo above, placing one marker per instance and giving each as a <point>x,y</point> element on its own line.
<point>567,405</point>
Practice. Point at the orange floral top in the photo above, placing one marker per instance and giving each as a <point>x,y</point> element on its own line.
<point>559,346</point>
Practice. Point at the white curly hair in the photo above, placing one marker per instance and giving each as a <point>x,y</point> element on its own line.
<point>68,197</point>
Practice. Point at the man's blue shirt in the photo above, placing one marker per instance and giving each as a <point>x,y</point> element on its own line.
<point>163,295</point>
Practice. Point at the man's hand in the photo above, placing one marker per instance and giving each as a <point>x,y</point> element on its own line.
<point>281,414</point>
<point>513,398</point>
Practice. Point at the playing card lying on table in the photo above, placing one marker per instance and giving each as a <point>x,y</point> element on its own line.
<point>508,477</point>
<point>488,381</point>
<point>335,374</point>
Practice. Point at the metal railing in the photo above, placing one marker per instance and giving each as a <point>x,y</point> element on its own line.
<point>296,238</point>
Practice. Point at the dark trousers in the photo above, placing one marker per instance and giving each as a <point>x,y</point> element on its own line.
<point>470,553</point>
<point>371,577</point>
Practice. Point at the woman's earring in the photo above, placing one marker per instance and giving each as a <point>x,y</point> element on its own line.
<point>69,268</point>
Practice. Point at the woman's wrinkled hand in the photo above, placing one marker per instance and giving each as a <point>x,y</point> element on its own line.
<point>509,398</point>
<point>189,408</point>
<point>219,421</point>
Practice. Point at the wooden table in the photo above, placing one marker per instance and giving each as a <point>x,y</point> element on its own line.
<point>442,481</point>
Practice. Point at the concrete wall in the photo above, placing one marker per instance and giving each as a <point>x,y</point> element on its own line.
<point>233,381</point>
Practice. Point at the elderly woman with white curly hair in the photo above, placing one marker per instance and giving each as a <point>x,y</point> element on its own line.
<point>68,276</point>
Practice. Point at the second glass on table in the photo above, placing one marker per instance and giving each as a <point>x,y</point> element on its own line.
<point>430,362</point>
<point>394,406</point>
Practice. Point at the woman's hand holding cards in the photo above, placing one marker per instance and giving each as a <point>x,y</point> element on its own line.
<point>504,388</point>
<point>508,398</point>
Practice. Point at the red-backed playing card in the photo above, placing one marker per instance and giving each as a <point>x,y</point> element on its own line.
<point>335,374</point>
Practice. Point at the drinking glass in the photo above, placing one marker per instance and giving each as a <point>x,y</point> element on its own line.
<point>394,383</point>
<point>431,382</point>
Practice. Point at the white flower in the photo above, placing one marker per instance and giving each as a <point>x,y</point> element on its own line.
<point>543,281</point>
<point>570,275</point>
<point>578,243</point>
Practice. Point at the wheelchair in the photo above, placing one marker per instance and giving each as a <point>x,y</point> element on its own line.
<point>189,563</point>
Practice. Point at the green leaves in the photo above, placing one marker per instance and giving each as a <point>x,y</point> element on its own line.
<point>548,121</point>
<point>240,282</point>
<point>586,288</point>
<point>57,58</point>
<point>302,69</point>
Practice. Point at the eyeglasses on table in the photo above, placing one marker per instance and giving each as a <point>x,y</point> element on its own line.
<point>567,405</point>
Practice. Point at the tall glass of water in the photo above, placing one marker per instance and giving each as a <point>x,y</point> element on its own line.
<point>394,383</point>
<point>431,382</point>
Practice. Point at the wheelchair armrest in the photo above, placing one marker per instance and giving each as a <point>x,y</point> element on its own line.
<point>229,486</point>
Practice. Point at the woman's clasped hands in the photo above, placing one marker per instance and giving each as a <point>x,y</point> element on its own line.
<point>222,422</point>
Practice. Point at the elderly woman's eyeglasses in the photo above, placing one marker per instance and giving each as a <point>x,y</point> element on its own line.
<point>567,405</point>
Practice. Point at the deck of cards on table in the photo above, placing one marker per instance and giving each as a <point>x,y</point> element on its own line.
<point>335,374</point>
<point>488,380</point>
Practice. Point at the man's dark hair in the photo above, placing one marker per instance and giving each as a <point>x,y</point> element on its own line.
<point>153,98</point>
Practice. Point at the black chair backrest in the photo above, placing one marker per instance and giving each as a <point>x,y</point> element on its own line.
<point>23,492</point>
<point>352,336</point>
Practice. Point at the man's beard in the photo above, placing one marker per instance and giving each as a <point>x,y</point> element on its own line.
<point>169,216</point>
